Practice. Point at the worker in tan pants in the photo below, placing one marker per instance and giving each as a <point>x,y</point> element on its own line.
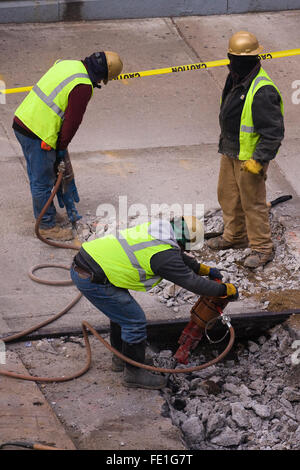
<point>243,202</point>
<point>252,128</point>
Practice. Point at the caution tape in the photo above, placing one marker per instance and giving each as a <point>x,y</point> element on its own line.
<point>203,65</point>
<point>179,68</point>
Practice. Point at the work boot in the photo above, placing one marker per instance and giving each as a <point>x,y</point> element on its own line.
<point>219,243</point>
<point>256,259</point>
<point>57,233</point>
<point>117,364</point>
<point>60,218</point>
<point>136,377</point>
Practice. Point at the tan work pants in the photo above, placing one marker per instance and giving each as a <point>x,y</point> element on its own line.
<point>242,197</point>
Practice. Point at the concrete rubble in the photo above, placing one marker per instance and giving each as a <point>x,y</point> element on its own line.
<point>249,401</point>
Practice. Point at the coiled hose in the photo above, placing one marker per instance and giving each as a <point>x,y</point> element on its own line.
<point>85,325</point>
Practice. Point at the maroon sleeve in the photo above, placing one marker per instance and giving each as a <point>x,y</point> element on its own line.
<point>77,103</point>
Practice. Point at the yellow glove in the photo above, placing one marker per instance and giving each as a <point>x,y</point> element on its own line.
<point>231,291</point>
<point>204,270</point>
<point>252,166</point>
<point>212,273</point>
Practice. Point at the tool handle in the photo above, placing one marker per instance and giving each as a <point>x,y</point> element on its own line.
<point>279,200</point>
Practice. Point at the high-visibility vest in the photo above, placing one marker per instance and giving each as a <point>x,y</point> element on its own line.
<point>248,137</point>
<point>126,259</point>
<point>43,109</point>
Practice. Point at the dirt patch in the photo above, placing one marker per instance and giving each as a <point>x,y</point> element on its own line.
<point>280,301</point>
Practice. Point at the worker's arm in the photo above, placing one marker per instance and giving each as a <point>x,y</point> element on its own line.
<point>177,267</point>
<point>268,123</point>
<point>200,268</point>
<point>77,103</point>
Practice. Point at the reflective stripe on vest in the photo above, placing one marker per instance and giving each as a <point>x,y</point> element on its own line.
<point>248,137</point>
<point>43,109</point>
<point>126,263</point>
<point>250,129</point>
<point>130,252</point>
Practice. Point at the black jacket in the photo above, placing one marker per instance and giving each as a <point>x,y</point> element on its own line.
<point>266,112</point>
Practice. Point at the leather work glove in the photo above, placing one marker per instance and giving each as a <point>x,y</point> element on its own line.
<point>67,195</point>
<point>212,273</point>
<point>252,166</point>
<point>232,292</point>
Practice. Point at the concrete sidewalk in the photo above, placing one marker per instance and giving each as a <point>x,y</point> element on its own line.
<point>153,140</point>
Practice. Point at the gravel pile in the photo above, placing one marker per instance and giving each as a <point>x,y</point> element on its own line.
<point>250,402</point>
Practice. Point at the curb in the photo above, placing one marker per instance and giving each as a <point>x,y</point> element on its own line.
<point>44,11</point>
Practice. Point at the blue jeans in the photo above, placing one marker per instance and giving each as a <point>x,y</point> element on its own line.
<point>40,169</point>
<point>117,304</point>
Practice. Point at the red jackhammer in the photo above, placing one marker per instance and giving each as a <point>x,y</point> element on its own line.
<point>202,313</point>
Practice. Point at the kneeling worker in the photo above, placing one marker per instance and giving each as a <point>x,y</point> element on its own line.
<point>138,258</point>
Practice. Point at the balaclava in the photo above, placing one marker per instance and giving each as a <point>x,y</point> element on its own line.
<point>241,66</point>
<point>97,67</point>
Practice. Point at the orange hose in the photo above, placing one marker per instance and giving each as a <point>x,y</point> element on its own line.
<point>85,325</point>
<point>38,221</point>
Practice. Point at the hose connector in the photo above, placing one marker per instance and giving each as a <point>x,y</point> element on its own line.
<point>226,320</point>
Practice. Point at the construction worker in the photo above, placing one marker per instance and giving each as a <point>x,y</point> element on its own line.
<point>137,259</point>
<point>252,128</point>
<point>45,123</point>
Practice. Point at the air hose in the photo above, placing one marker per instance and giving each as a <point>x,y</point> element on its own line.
<point>85,325</point>
<point>28,445</point>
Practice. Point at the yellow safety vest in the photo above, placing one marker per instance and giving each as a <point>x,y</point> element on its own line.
<point>126,259</point>
<point>248,137</point>
<point>43,109</point>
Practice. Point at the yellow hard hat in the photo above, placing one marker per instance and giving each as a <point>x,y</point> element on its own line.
<point>244,43</point>
<point>114,65</point>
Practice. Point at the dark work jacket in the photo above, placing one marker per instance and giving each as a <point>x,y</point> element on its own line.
<point>266,113</point>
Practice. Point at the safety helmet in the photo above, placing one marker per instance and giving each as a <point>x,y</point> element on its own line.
<point>188,232</point>
<point>114,65</point>
<point>244,43</point>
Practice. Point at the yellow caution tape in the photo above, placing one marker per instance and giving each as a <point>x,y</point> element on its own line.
<point>7,91</point>
<point>180,68</point>
<point>203,65</point>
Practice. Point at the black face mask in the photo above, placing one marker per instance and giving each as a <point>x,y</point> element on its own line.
<point>241,66</point>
